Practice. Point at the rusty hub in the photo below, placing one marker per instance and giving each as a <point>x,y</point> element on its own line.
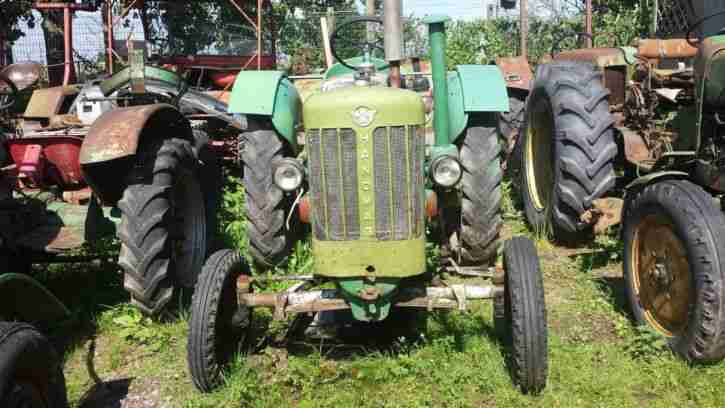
<point>661,275</point>
<point>538,155</point>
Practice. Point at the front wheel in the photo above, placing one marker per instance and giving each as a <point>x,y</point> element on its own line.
<point>673,267</point>
<point>218,325</point>
<point>31,374</point>
<point>525,315</point>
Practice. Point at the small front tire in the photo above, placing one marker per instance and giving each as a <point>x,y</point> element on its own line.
<point>525,315</point>
<point>218,325</point>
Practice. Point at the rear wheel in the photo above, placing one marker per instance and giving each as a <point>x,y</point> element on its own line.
<point>163,229</point>
<point>673,268</point>
<point>567,149</point>
<point>218,326</point>
<point>31,374</point>
<point>525,315</point>
<point>509,125</point>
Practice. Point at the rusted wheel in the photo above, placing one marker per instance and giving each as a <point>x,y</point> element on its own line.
<point>31,374</point>
<point>673,233</point>
<point>218,326</point>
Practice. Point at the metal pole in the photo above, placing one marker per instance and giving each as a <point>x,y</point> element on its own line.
<point>441,120</point>
<point>393,23</point>
<point>524,23</point>
<point>370,11</point>
<point>68,45</point>
<point>588,24</point>
<point>109,39</point>
<point>259,35</point>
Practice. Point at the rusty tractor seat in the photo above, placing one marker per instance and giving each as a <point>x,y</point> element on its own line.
<point>665,49</point>
<point>23,75</point>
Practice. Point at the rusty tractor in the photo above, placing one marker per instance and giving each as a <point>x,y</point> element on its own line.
<point>125,156</point>
<point>647,121</point>
<point>369,181</point>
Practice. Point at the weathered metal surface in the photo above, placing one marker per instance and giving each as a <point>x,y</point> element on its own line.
<point>117,134</point>
<point>635,147</point>
<point>661,49</point>
<point>516,72</point>
<point>449,297</point>
<point>22,75</point>
<point>605,213</point>
<point>600,57</point>
<point>46,103</point>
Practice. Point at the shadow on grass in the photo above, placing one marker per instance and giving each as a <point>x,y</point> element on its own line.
<point>613,290</point>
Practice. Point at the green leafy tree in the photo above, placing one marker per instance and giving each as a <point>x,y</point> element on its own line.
<point>13,11</point>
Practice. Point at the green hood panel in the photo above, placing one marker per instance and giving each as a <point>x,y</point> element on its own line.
<point>362,258</point>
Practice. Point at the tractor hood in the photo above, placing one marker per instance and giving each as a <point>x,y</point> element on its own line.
<point>600,57</point>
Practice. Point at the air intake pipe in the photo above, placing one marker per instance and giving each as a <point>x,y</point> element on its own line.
<point>441,118</point>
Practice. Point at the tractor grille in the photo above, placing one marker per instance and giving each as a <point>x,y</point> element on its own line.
<point>398,183</point>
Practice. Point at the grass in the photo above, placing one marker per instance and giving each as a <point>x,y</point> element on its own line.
<point>597,359</point>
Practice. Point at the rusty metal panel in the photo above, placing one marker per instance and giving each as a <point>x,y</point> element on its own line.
<point>46,103</point>
<point>601,57</point>
<point>615,79</point>
<point>516,72</point>
<point>116,134</point>
<point>22,75</point>
<point>678,48</point>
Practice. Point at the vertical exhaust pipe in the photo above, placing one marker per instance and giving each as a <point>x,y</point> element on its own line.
<point>393,26</point>
<point>441,118</point>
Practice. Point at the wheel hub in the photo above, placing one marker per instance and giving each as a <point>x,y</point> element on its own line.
<point>662,277</point>
<point>538,155</point>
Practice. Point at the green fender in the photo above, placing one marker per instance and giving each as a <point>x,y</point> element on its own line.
<point>24,299</point>
<point>473,89</point>
<point>652,177</point>
<point>268,93</point>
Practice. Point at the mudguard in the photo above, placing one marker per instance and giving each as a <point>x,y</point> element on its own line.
<point>474,89</point>
<point>652,177</point>
<point>114,139</point>
<point>268,93</point>
<point>24,299</point>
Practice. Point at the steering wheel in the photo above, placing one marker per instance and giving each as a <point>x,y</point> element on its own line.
<point>8,93</point>
<point>555,46</point>
<point>366,46</point>
<point>697,24</point>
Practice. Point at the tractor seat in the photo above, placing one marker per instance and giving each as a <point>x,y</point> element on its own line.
<point>23,75</point>
<point>665,49</point>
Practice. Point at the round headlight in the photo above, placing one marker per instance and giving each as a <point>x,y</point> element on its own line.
<point>288,175</point>
<point>446,171</point>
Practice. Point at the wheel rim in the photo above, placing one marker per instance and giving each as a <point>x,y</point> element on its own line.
<point>661,275</point>
<point>539,165</point>
<point>24,394</point>
<point>190,227</point>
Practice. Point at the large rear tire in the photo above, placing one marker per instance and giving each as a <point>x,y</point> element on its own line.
<point>267,207</point>
<point>163,229</point>
<point>218,326</point>
<point>509,125</point>
<point>525,315</point>
<point>673,267</point>
<point>31,374</point>
<point>480,219</point>
<point>567,148</point>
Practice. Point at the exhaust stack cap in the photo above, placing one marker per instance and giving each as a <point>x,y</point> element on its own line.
<point>393,26</point>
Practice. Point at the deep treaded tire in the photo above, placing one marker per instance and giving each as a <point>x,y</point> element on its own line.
<point>568,148</point>
<point>212,181</point>
<point>525,314</point>
<point>696,222</point>
<point>31,373</point>
<point>481,222</point>
<point>267,206</point>
<point>163,226</point>
<point>217,326</point>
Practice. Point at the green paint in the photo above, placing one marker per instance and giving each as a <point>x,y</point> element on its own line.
<point>268,93</point>
<point>458,117</point>
<point>392,107</point>
<point>339,70</point>
<point>23,298</point>
<point>437,35</point>
<point>484,88</point>
<point>354,290</point>
<point>719,39</point>
<point>369,258</point>
<point>121,78</point>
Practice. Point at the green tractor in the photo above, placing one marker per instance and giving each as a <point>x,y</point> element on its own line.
<point>645,121</point>
<point>375,191</point>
